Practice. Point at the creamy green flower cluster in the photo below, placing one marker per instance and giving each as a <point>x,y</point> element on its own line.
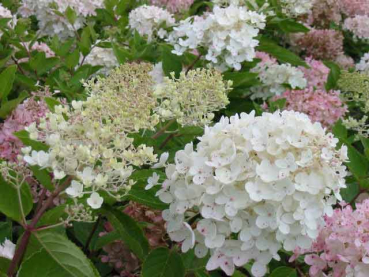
<point>126,96</point>
<point>193,97</point>
<point>89,139</point>
<point>355,87</point>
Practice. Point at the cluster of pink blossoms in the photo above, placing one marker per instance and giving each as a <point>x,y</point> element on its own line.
<point>320,105</point>
<point>342,247</point>
<point>25,114</point>
<point>354,7</point>
<point>320,44</point>
<point>173,6</point>
<point>317,74</point>
<point>358,25</point>
<point>119,255</point>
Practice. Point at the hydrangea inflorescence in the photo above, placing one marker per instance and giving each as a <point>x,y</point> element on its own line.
<point>90,141</point>
<point>260,183</point>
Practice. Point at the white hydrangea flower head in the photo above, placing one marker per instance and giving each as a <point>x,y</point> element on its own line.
<point>363,65</point>
<point>274,77</point>
<point>295,8</point>
<point>7,249</point>
<point>51,23</point>
<point>228,34</point>
<point>150,21</point>
<point>260,184</point>
<point>103,57</point>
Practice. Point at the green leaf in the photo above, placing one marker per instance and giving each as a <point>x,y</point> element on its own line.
<point>71,15</point>
<point>350,192</point>
<point>85,43</point>
<point>171,62</point>
<point>277,105</point>
<point>357,164</point>
<point>6,81</point>
<point>15,201</point>
<point>339,130</point>
<point>284,271</point>
<point>53,216</point>
<point>192,263</point>
<point>9,106</point>
<point>51,103</point>
<point>163,262</point>
<point>43,176</point>
<point>242,79</point>
<point>23,135</point>
<point>82,231</point>
<point>334,75</point>
<point>56,257</point>
<point>281,54</point>
<point>5,231</point>
<point>47,65</point>
<point>121,54</point>
<point>145,197</point>
<point>4,264</point>
<point>129,231</point>
<point>291,26</point>
<point>72,59</point>
<point>105,239</point>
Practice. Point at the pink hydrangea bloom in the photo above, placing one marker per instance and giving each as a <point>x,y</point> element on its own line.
<point>354,7</point>
<point>345,62</point>
<point>317,74</point>
<point>320,44</point>
<point>358,25</point>
<point>25,114</point>
<point>342,247</point>
<point>324,12</point>
<point>173,5</point>
<point>320,105</point>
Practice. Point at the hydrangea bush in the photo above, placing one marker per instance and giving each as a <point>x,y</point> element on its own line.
<point>182,138</point>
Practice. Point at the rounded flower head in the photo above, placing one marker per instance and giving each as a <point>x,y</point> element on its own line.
<point>342,245</point>
<point>260,183</point>
<point>317,74</point>
<point>150,20</point>
<point>274,77</point>
<point>89,139</point>
<point>104,57</point>
<point>30,111</point>
<point>228,34</point>
<point>320,44</point>
<point>51,20</point>
<point>192,98</point>
<point>126,96</point>
<point>358,25</point>
<point>294,8</point>
<point>320,105</point>
<point>354,7</point>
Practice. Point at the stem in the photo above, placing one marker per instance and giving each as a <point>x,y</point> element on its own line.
<point>167,140</point>
<point>193,63</point>
<point>92,233</point>
<point>19,253</point>
<point>162,130</point>
<point>356,196</point>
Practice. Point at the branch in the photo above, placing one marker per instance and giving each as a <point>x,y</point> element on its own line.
<point>19,253</point>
